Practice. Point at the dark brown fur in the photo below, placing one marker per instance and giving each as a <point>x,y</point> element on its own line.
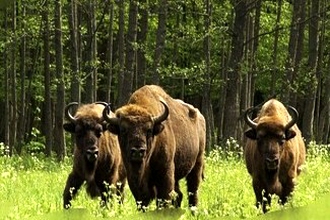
<point>107,168</point>
<point>174,148</point>
<point>271,120</point>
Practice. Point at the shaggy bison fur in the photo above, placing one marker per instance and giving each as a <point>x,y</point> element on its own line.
<point>97,157</point>
<point>274,152</point>
<point>162,141</point>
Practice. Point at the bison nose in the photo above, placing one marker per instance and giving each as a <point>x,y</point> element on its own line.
<point>272,163</point>
<point>137,154</point>
<point>92,154</point>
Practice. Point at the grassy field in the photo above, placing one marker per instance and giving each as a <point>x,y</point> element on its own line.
<point>31,188</point>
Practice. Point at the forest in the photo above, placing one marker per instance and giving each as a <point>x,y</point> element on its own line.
<point>221,56</point>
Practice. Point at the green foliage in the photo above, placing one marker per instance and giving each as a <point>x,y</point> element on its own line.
<point>31,188</point>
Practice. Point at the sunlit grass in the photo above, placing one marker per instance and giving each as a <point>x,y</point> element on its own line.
<point>31,188</point>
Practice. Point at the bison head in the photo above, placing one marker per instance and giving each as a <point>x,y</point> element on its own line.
<point>87,128</point>
<point>270,135</point>
<point>135,128</point>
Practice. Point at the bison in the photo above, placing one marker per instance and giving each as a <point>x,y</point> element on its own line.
<point>274,151</point>
<point>162,140</point>
<point>97,156</point>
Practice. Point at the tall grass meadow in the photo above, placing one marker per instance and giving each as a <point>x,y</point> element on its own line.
<point>31,187</point>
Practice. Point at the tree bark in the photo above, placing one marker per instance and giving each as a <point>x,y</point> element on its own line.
<point>21,106</point>
<point>121,51</point>
<point>160,40</point>
<point>141,40</point>
<point>127,88</point>
<point>232,102</point>
<point>48,119</point>
<point>60,90</point>
<point>12,83</point>
<point>310,97</point>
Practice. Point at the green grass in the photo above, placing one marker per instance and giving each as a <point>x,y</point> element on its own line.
<point>31,188</point>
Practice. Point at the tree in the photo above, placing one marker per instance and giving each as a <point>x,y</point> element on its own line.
<point>130,54</point>
<point>48,119</point>
<point>60,91</point>
<point>233,82</point>
<point>160,40</point>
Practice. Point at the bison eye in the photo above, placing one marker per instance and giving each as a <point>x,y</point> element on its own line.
<point>149,133</point>
<point>281,141</point>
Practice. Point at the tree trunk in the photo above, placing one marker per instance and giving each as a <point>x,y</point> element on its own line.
<point>275,46</point>
<point>73,24</point>
<point>7,95</point>
<point>21,115</point>
<point>60,91</point>
<point>127,88</point>
<point>231,114</point>
<point>160,40</point>
<point>141,40</point>
<point>91,70</point>
<point>121,52</point>
<point>12,83</point>
<point>110,54</point>
<point>207,104</point>
<point>48,123</point>
<point>310,97</point>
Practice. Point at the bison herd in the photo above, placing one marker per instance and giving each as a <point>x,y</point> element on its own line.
<point>154,141</point>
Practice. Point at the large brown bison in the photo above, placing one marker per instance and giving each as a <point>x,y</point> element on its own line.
<point>274,151</point>
<point>162,141</point>
<point>97,156</point>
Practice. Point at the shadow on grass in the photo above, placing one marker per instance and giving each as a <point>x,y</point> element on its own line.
<point>316,210</point>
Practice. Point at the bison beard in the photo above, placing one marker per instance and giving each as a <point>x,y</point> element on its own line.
<point>274,152</point>
<point>162,140</point>
<point>97,157</point>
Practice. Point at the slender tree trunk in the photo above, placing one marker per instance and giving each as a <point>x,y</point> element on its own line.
<point>207,104</point>
<point>275,46</point>
<point>48,123</point>
<point>12,83</point>
<point>160,40</point>
<point>21,115</point>
<point>73,24</point>
<point>130,53</point>
<point>141,64</point>
<point>310,97</point>
<point>110,53</point>
<point>60,91</point>
<point>121,51</point>
<point>231,114</point>
<point>91,70</point>
<point>7,95</point>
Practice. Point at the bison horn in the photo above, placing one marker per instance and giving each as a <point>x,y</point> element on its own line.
<point>102,103</point>
<point>162,117</point>
<point>106,112</point>
<point>248,120</point>
<point>294,113</point>
<point>68,115</point>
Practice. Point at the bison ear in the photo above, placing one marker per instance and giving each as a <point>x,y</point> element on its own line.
<point>69,127</point>
<point>158,127</point>
<point>289,134</point>
<point>113,128</point>
<point>251,133</point>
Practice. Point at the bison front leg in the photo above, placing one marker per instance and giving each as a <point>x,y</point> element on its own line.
<point>165,190</point>
<point>286,191</point>
<point>72,186</point>
<point>262,197</point>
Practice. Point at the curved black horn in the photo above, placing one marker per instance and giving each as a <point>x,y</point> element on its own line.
<point>68,115</point>
<point>106,112</point>
<point>294,113</point>
<point>162,117</point>
<point>102,103</point>
<point>248,120</point>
